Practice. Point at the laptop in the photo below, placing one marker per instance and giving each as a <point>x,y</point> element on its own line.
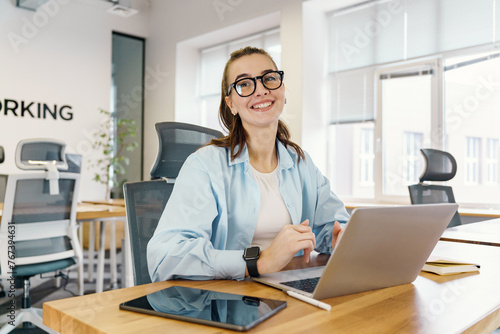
<point>379,247</point>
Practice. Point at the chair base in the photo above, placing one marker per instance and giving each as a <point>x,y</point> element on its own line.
<point>33,315</point>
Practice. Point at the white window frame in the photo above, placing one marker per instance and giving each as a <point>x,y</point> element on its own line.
<point>436,120</point>
<point>491,161</point>
<point>472,161</point>
<point>412,156</point>
<point>366,157</point>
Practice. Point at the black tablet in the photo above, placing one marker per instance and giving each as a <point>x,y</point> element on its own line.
<point>230,311</point>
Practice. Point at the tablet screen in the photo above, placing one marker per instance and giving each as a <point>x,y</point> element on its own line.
<point>230,311</point>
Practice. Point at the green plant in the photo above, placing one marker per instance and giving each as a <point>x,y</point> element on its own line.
<point>114,136</point>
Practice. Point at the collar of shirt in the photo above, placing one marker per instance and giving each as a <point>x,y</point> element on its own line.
<point>286,159</point>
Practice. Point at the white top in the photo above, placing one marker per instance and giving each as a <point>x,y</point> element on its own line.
<point>273,214</point>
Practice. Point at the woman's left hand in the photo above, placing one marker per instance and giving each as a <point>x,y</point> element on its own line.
<point>337,231</point>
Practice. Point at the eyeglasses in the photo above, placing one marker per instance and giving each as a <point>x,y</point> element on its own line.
<point>246,86</point>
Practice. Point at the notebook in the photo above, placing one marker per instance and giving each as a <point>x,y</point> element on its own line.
<point>380,247</point>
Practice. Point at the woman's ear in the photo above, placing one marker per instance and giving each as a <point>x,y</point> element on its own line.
<point>229,103</point>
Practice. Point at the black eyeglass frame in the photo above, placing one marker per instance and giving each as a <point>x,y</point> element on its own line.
<point>254,79</point>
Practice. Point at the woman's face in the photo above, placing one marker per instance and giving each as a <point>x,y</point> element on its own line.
<point>263,108</point>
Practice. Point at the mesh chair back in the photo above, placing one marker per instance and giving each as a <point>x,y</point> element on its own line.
<point>428,194</point>
<point>74,163</point>
<point>3,187</point>
<point>144,203</point>
<point>176,142</point>
<point>440,165</point>
<point>42,225</point>
<point>35,153</point>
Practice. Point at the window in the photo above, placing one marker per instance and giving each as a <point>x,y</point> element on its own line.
<point>425,75</point>
<point>472,122</point>
<point>352,172</point>
<point>366,157</point>
<point>405,108</point>
<point>413,167</point>
<point>212,61</point>
<point>491,161</point>
<point>472,160</point>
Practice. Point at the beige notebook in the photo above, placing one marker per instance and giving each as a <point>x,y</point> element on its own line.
<point>447,266</point>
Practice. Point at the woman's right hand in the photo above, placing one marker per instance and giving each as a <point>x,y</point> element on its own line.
<point>290,240</point>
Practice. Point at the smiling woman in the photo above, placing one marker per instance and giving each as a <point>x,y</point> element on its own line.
<point>268,98</point>
<point>259,199</point>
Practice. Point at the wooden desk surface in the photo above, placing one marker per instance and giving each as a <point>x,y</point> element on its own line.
<point>486,213</point>
<point>432,304</point>
<point>88,211</point>
<point>486,232</point>
<point>111,201</point>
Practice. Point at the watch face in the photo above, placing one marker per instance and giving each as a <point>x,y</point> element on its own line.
<point>252,252</point>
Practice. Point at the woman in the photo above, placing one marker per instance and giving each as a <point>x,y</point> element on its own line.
<point>247,203</point>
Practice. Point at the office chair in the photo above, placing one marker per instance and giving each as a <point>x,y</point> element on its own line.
<point>3,178</point>
<point>74,162</point>
<point>440,166</point>
<point>38,226</point>
<point>145,201</point>
<point>144,204</point>
<point>176,142</point>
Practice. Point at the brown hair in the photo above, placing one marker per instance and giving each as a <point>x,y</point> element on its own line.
<point>237,134</point>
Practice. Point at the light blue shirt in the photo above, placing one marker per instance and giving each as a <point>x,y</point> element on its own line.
<point>212,213</point>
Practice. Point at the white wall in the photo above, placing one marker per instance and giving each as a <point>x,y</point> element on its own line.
<point>178,22</point>
<point>65,59</point>
<point>60,55</point>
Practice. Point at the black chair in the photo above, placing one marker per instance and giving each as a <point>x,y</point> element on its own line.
<point>39,220</point>
<point>144,203</point>
<point>3,178</point>
<point>440,166</point>
<point>176,142</point>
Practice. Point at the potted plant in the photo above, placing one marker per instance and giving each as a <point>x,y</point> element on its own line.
<point>114,137</point>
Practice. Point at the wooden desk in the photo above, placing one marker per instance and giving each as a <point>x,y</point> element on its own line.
<point>486,232</point>
<point>432,304</point>
<point>111,201</point>
<point>89,211</point>
<point>485,213</point>
<point>102,214</point>
<point>464,212</point>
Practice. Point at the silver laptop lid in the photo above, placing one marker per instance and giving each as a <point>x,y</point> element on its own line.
<point>379,247</point>
<point>382,247</point>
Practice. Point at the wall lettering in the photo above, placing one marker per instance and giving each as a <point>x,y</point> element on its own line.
<point>9,108</point>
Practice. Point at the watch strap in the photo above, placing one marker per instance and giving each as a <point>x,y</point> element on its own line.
<point>252,268</point>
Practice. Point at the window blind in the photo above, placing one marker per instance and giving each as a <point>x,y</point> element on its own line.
<point>380,32</point>
<point>374,33</point>
<point>352,96</point>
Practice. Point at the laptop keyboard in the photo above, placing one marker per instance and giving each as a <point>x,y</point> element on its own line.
<point>307,285</point>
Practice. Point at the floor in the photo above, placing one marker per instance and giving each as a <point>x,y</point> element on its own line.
<point>44,289</point>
